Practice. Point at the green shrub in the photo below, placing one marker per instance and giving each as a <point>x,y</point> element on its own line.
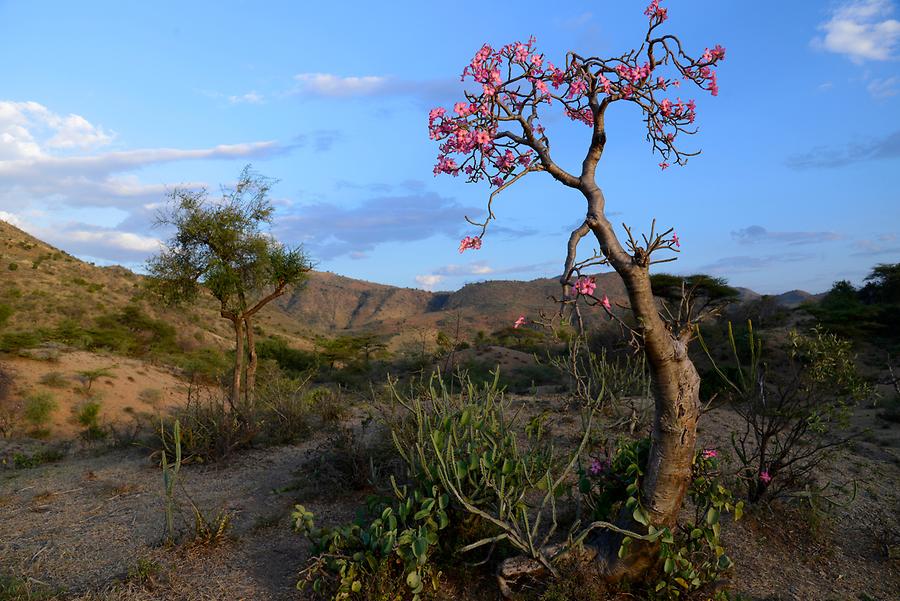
<point>54,379</point>
<point>15,341</point>
<point>795,403</point>
<point>151,396</point>
<point>36,459</point>
<point>13,266</point>
<point>88,416</point>
<point>38,408</point>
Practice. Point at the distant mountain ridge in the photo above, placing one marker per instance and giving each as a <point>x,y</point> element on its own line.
<point>48,285</point>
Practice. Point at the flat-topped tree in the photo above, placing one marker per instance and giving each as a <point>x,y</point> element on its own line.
<point>221,245</point>
<point>496,135</point>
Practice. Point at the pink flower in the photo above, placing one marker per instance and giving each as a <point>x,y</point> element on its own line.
<point>654,11</point>
<point>605,302</point>
<point>596,467</point>
<point>718,53</point>
<point>709,453</point>
<point>586,286</point>
<point>675,240</point>
<point>765,477</point>
<point>519,322</point>
<point>473,242</point>
<point>663,166</point>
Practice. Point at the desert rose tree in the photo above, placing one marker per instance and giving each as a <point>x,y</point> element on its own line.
<point>496,134</point>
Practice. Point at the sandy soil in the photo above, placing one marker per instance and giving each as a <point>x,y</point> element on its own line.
<point>130,387</point>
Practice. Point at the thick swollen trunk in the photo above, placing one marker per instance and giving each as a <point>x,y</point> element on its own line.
<point>253,361</point>
<point>676,388</point>
<point>238,362</point>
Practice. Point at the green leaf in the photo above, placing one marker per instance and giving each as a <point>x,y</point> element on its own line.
<point>414,582</point>
<point>669,566</point>
<point>738,510</point>
<point>640,516</point>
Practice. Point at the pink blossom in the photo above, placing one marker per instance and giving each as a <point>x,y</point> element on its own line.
<point>655,11</point>
<point>577,88</point>
<point>473,242</point>
<point>585,115</point>
<point>709,453</point>
<point>585,285</point>
<point>596,467</point>
<point>663,165</point>
<point>605,302</point>
<point>765,477</point>
<point>519,322</point>
<point>665,107</point>
<point>606,84</point>
<point>713,84</point>
<point>675,240</point>
<point>718,53</point>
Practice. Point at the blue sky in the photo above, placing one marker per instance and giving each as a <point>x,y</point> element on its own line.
<point>104,106</point>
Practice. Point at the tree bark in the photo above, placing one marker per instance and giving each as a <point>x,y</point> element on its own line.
<point>238,362</point>
<point>676,392</point>
<point>253,361</point>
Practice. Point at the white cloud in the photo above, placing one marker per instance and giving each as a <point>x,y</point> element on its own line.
<point>27,127</point>
<point>11,218</point>
<point>49,164</point>
<point>861,30</point>
<point>429,281</point>
<point>328,85</point>
<point>251,97</point>
<point>126,241</point>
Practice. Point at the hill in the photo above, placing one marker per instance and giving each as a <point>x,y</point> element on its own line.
<point>45,287</point>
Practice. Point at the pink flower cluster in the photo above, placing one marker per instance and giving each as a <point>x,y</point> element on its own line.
<point>655,11</point>
<point>519,322</point>
<point>634,74</point>
<point>676,240</point>
<point>765,477</point>
<point>585,285</point>
<point>585,115</point>
<point>709,454</point>
<point>473,242</point>
<point>678,109</point>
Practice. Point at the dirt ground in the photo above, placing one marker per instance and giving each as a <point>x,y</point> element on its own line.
<point>127,387</point>
<point>91,524</point>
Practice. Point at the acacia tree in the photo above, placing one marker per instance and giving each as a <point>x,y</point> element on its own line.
<point>222,247</point>
<point>497,134</point>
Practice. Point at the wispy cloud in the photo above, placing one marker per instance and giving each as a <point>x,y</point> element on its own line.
<point>861,30</point>
<point>743,263</point>
<point>756,234</point>
<point>884,244</point>
<point>251,97</point>
<point>883,88</point>
<point>333,230</point>
<point>480,270</point>
<point>331,86</point>
<point>823,157</point>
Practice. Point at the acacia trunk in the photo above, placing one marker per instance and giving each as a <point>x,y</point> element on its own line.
<point>238,362</point>
<point>253,361</point>
<point>676,389</point>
